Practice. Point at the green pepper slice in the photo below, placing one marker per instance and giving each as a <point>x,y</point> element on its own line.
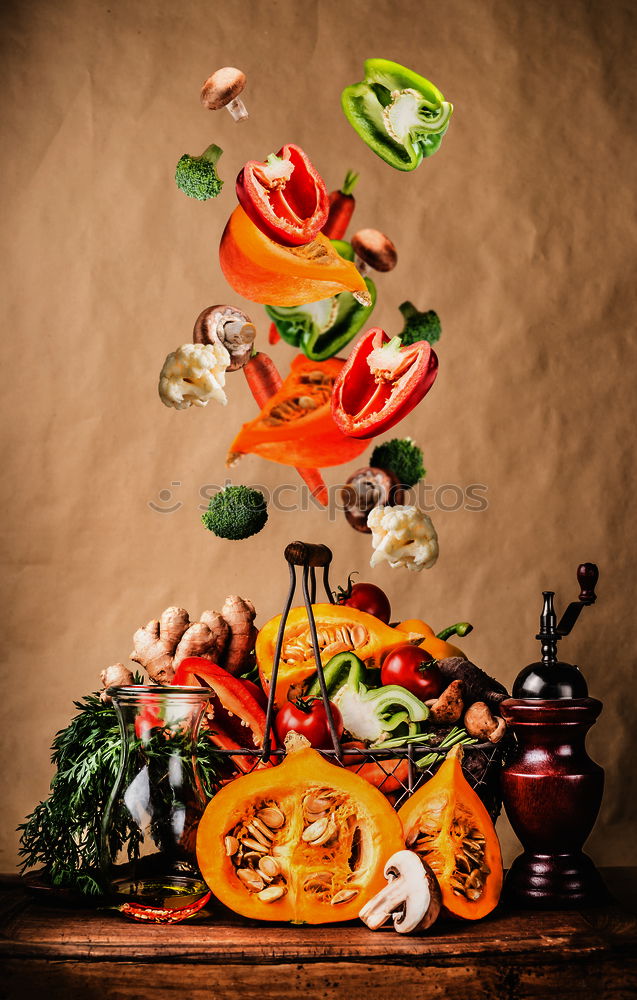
<point>400,115</point>
<point>322,329</point>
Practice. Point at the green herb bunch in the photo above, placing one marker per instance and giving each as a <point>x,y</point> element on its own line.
<point>62,834</point>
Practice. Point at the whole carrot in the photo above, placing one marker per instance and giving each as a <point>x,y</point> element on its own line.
<point>342,205</point>
<point>262,375</point>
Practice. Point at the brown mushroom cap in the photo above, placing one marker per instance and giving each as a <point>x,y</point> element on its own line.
<point>222,87</point>
<point>368,488</point>
<point>376,249</point>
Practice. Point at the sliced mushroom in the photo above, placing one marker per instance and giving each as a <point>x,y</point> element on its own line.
<point>222,89</point>
<point>368,488</point>
<point>230,327</point>
<point>375,250</point>
<point>411,897</point>
<point>478,721</point>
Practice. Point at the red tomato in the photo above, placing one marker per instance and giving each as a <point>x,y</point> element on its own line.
<point>309,719</point>
<point>415,669</point>
<point>370,598</point>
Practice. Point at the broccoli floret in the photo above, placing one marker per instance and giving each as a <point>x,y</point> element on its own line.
<point>197,176</point>
<point>402,457</point>
<point>236,512</point>
<point>418,325</point>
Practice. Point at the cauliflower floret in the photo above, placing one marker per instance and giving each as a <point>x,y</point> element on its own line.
<point>402,536</point>
<point>193,375</point>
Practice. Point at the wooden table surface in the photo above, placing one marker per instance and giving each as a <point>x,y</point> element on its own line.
<point>58,952</point>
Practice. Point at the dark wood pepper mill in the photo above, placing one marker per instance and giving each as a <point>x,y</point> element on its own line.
<point>552,790</point>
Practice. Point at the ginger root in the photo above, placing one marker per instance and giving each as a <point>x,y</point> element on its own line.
<point>156,642</point>
<point>240,615</point>
<point>117,675</point>
<point>225,637</point>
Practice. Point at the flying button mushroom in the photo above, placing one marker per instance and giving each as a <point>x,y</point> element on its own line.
<point>374,249</point>
<point>365,489</point>
<point>230,327</point>
<point>411,897</point>
<point>222,89</point>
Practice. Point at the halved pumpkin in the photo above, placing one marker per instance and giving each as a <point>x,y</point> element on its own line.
<point>306,841</point>
<point>448,826</point>
<point>339,628</point>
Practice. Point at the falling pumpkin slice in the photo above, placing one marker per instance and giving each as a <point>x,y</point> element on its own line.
<point>264,271</point>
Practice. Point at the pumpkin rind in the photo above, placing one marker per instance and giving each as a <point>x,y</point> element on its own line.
<point>302,774</point>
<point>438,820</point>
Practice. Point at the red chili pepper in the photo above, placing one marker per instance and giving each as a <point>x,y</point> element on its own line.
<point>263,377</point>
<point>285,197</point>
<point>238,719</point>
<point>380,383</point>
<point>342,205</point>
<point>273,334</point>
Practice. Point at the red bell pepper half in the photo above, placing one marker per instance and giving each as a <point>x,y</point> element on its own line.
<point>285,197</point>
<point>380,383</point>
<point>238,721</point>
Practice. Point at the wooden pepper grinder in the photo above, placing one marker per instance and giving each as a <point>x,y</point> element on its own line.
<point>552,790</point>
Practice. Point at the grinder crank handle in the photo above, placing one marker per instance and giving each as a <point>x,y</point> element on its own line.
<point>587,577</point>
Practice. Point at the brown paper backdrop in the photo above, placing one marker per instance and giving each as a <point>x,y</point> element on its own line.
<point>519,232</point>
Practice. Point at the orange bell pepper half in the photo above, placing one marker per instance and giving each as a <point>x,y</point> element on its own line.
<point>295,427</point>
<point>264,271</point>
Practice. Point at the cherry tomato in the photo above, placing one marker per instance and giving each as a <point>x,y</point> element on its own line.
<point>309,719</point>
<point>415,669</point>
<point>370,598</point>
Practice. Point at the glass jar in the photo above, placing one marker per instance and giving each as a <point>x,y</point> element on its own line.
<point>148,858</point>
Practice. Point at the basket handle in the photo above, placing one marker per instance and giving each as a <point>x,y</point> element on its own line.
<point>308,554</point>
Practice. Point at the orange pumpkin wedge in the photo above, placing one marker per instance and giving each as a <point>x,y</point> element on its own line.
<point>339,628</point>
<point>295,426</point>
<point>264,271</point>
<point>329,834</point>
<point>448,826</point>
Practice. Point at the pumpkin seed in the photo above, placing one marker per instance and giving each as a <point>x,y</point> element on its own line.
<point>255,845</point>
<point>271,817</point>
<point>269,866</point>
<point>343,896</point>
<point>261,826</point>
<point>258,836</point>
<point>272,893</point>
<point>232,845</point>
<point>315,830</point>
<point>250,879</point>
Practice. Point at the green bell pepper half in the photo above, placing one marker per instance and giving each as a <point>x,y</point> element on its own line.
<point>368,714</point>
<point>400,115</point>
<point>322,329</point>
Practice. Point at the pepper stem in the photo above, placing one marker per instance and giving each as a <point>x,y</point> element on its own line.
<point>460,628</point>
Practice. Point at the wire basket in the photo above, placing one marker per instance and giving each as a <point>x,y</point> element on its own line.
<point>396,771</point>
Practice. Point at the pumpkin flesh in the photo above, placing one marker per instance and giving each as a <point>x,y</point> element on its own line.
<point>329,834</point>
<point>447,825</point>
<point>339,629</point>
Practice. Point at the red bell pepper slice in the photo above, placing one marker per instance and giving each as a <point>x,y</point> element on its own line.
<point>380,383</point>
<point>238,720</point>
<point>285,197</point>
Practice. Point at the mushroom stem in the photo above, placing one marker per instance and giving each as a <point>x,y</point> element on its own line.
<point>237,109</point>
<point>363,269</point>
